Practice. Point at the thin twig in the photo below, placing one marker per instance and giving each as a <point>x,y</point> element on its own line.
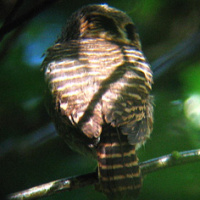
<point>8,43</point>
<point>55,186</point>
<point>171,160</point>
<point>26,143</point>
<point>180,53</point>
<point>7,27</point>
<point>13,12</point>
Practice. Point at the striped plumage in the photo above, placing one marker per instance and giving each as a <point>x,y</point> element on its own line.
<point>98,94</point>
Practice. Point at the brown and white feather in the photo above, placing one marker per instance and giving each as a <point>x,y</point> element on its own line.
<point>100,100</point>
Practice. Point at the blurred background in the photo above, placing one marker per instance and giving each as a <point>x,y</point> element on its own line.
<point>30,151</point>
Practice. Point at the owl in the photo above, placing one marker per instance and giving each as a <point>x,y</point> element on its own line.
<point>98,94</point>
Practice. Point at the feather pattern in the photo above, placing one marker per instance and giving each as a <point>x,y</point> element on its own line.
<point>99,99</point>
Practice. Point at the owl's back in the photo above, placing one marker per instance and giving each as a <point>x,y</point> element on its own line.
<point>100,104</point>
<point>96,82</point>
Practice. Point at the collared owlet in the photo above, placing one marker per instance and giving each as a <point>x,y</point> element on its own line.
<point>98,85</point>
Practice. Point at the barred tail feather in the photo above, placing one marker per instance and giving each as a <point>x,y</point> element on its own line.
<point>119,172</point>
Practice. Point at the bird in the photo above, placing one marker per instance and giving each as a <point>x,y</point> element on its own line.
<point>98,85</point>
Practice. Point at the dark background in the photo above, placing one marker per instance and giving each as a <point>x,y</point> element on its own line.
<point>26,161</point>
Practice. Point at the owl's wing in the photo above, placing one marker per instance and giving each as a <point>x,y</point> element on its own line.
<point>59,59</point>
<point>136,123</point>
<point>128,104</point>
<point>74,72</point>
<point>95,81</point>
<point>139,130</point>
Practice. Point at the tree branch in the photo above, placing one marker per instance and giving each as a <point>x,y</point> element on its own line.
<point>13,12</point>
<point>29,142</point>
<point>181,52</point>
<point>170,160</point>
<point>10,25</point>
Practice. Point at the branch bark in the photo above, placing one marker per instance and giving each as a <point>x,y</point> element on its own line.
<point>66,184</point>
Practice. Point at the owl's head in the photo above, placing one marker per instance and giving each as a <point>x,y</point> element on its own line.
<point>101,21</point>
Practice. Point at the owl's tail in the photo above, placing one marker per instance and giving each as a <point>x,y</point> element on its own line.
<point>119,172</point>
